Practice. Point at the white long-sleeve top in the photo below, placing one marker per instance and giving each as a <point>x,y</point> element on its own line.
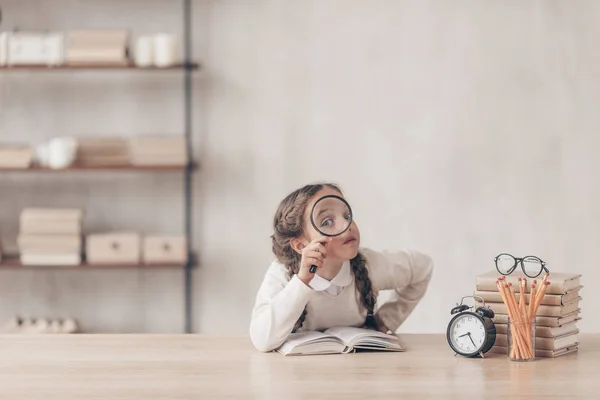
<point>281,300</point>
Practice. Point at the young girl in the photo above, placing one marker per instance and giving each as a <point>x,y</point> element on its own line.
<point>344,289</point>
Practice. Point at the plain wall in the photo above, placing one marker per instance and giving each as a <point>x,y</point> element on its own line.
<point>459,128</point>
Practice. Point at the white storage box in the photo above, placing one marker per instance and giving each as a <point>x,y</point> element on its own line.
<point>165,250</point>
<point>113,248</point>
<point>35,48</point>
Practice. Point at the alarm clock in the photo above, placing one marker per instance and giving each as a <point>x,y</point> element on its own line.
<point>469,333</point>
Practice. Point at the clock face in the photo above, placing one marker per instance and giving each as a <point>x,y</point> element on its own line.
<point>467,334</point>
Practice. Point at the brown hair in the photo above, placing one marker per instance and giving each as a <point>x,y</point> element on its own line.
<point>289,224</point>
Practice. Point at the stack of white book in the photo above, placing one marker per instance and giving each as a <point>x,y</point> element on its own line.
<point>50,236</point>
<point>98,46</point>
<point>102,152</point>
<point>17,157</point>
<point>556,318</point>
<point>158,151</point>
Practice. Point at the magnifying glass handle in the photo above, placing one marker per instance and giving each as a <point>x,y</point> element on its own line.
<point>313,268</point>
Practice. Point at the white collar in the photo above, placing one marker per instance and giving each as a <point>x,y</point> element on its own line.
<point>342,279</point>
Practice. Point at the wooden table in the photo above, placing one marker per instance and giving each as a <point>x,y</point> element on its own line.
<point>197,367</point>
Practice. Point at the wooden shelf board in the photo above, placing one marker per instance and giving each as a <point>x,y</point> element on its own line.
<point>103,67</point>
<point>15,263</point>
<point>121,168</point>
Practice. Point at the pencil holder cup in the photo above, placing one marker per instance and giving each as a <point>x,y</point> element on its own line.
<point>521,340</point>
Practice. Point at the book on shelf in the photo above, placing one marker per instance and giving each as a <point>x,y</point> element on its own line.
<point>543,310</point>
<point>158,161</point>
<point>544,321</point>
<point>158,145</point>
<point>158,151</point>
<point>113,54</point>
<point>50,247</point>
<point>49,242</point>
<point>53,251</point>
<point>539,352</point>
<point>102,146</point>
<point>50,221</point>
<point>50,259</point>
<point>50,228</point>
<point>560,282</point>
<point>50,236</point>
<point>17,157</point>
<point>546,331</point>
<point>97,47</point>
<point>338,340</point>
<point>102,152</point>
<point>542,343</point>
<point>98,38</point>
<point>50,214</point>
<point>549,299</point>
<point>103,161</point>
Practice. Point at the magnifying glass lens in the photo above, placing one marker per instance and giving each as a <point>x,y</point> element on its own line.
<point>331,216</point>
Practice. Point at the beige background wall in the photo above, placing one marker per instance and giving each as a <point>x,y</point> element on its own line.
<point>460,128</point>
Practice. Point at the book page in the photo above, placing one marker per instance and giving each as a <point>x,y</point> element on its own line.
<point>351,335</point>
<point>297,339</point>
<point>564,330</point>
<point>565,341</point>
<point>311,343</point>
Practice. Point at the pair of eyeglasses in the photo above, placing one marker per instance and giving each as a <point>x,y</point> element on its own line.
<point>532,266</point>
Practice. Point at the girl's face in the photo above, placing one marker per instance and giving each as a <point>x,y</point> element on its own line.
<point>343,247</point>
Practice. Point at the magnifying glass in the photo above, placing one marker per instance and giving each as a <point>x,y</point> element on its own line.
<point>330,216</point>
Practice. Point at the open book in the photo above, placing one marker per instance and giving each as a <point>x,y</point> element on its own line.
<point>338,340</point>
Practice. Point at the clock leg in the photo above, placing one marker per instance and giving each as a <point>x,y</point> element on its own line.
<point>481,354</point>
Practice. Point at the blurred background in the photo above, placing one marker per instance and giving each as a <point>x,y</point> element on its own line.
<point>461,128</point>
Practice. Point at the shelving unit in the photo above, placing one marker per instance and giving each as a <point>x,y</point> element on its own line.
<point>104,168</point>
<point>13,262</point>
<point>187,67</point>
<point>130,67</point>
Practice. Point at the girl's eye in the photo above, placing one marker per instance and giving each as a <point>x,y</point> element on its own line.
<point>326,222</point>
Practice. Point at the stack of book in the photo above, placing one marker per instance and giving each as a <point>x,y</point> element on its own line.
<point>102,46</point>
<point>50,236</point>
<point>102,152</point>
<point>158,151</point>
<point>17,157</point>
<point>557,316</point>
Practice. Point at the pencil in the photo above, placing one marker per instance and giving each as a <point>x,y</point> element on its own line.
<point>517,327</point>
<point>514,353</point>
<point>519,320</point>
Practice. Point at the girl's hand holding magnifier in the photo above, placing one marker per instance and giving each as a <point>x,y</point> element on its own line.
<point>313,254</point>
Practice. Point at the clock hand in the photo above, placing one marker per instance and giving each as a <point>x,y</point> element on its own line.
<point>472,339</point>
<point>466,334</point>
